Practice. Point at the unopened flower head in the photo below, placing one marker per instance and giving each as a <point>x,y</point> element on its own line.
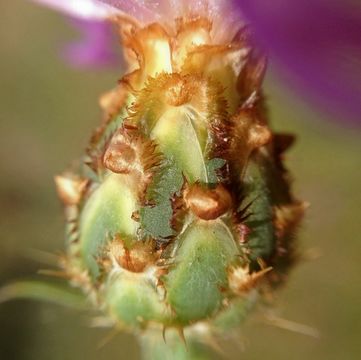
<point>181,216</point>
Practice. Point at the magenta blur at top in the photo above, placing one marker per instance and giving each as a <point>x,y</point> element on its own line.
<point>315,44</point>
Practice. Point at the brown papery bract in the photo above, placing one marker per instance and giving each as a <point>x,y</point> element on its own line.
<point>135,258</point>
<point>208,204</point>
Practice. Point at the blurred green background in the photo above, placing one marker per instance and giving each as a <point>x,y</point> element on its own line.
<point>47,113</point>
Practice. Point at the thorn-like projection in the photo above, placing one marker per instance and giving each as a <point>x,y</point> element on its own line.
<point>250,133</point>
<point>213,342</point>
<point>55,273</point>
<point>287,217</point>
<point>78,277</point>
<point>109,337</point>
<point>243,214</point>
<point>70,188</point>
<point>251,76</point>
<point>111,102</point>
<point>164,329</point>
<point>293,326</point>
<point>282,142</point>
<point>182,337</point>
<point>241,280</point>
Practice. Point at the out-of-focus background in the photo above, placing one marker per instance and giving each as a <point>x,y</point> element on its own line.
<point>47,113</point>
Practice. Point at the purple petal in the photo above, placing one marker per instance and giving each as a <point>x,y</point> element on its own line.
<point>167,10</point>
<point>317,45</point>
<point>141,10</point>
<point>97,48</point>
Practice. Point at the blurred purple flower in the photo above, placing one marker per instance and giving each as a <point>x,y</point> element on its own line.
<point>95,48</point>
<point>317,46</point>
<point>315,43</point>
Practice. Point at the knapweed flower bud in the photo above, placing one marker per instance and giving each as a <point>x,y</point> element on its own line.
<point>182,213</point>
<point>184,208</point>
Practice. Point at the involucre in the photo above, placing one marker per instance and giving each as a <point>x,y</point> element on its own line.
<point>181,217</point>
